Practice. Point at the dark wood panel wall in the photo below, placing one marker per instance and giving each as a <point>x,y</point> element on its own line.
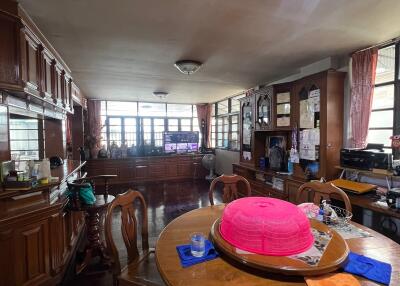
<point>53,138</point>
<point>77,131</point>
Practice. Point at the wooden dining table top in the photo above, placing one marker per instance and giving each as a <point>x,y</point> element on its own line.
<point>222,271</point>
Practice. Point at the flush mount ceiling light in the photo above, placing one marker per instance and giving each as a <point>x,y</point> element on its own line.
<point>187,66</point>
<point>160,94</point>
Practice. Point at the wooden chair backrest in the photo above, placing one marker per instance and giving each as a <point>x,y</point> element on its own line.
<point>230,191</point>
<point>316,191</point>
<point>125,202</point>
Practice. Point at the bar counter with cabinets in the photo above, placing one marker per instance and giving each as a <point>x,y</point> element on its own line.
<point>38,234</point>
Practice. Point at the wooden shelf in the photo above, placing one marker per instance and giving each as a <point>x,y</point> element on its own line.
<point>369,173</point>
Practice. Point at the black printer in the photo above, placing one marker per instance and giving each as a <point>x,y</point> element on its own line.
<point>374,156</point>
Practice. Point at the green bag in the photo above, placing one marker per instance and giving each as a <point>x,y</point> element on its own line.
<point>86,195</point>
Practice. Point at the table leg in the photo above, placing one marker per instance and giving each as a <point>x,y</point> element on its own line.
<point>95,246</point>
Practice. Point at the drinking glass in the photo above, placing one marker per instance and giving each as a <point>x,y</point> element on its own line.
<point>197,244</point>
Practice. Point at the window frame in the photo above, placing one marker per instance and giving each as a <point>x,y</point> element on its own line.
<point>228,116</point>
<point>193,120</point>
<point>396,104</point>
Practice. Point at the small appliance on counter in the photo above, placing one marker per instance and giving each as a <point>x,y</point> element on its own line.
<point>374,156</point>
<point>56,161</point>
<point>393,198</point>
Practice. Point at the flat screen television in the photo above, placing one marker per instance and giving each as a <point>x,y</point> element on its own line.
<point>181,142</point>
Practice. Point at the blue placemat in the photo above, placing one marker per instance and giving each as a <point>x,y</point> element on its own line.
<point>187,259</point>
<point>369,268</point>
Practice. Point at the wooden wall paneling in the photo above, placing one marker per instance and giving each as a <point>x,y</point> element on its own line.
<point>334,122</point>
<point>56,242</point>
<point>58,85</point>
<point>53,138</point>
<point>185,169</point>
<point>171,170</point>
<point>33,251</point>
<point>10,52</point>
<point>8,261</point>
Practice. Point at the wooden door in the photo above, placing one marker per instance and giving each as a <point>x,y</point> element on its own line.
<point>47,77</point>
<point>32,254</point>
<point>10,52</point>
<point>32,54</point>
<point>247,129</point>
<point>264,108</point>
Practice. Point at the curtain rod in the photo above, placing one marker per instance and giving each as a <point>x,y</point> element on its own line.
<point>385,43</point>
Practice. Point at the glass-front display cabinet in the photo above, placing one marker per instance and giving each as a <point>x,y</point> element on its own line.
<point>283,107</point>
<point>247,128</point>
<point>264,110</point>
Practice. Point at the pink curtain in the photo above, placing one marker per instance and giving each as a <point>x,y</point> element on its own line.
<point>362,89</point>
<point>204,115</point>
<point>93,137</point>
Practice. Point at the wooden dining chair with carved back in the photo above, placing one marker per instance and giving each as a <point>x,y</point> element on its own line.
<point>316,192</point>
<point>230,188</point>
<point>141,268</point>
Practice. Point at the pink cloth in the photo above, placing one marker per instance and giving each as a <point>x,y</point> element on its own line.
<point>362,88</point>
<point>266,226</point>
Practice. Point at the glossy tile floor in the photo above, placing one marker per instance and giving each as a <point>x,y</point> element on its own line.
<point>165,201</point>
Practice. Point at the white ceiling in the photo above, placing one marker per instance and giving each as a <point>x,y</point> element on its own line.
<point>125,49</point>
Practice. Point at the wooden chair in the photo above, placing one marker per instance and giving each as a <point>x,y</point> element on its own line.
<point>141,267</point>
<point>316,192</point>
<point>230,191</point>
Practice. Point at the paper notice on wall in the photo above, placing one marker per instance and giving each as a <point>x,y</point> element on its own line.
<point>283,97</point>
<point>307,151</point>
<point>314,93</point>
<point>246,155</point>
<point>307,113</point>
<point>283,121</point>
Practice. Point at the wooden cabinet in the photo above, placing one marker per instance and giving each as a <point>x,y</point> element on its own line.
<point>32,247</point>
<point>10,53</point>
<point>147,169</point>
<point>313,105</point>
<point>325,92</point>
<point>247,128</point>
<point>38,235</point>
<point>30,68</point>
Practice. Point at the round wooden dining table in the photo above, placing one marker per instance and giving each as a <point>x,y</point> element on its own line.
<point>222,271</point>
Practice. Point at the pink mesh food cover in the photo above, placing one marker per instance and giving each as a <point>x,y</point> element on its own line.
<point>266,226</point>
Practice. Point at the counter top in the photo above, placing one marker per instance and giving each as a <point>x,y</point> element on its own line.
<point>150,157</point>
<point>22,203</point>
<point>63,172</point>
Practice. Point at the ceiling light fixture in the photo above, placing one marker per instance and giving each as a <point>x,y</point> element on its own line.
<point>187,66</point>
<point>160,94</point>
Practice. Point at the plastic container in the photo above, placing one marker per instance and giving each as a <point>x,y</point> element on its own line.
<point>266,226</point>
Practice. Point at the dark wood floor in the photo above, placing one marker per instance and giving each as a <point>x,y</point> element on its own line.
<point>165,201</point>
